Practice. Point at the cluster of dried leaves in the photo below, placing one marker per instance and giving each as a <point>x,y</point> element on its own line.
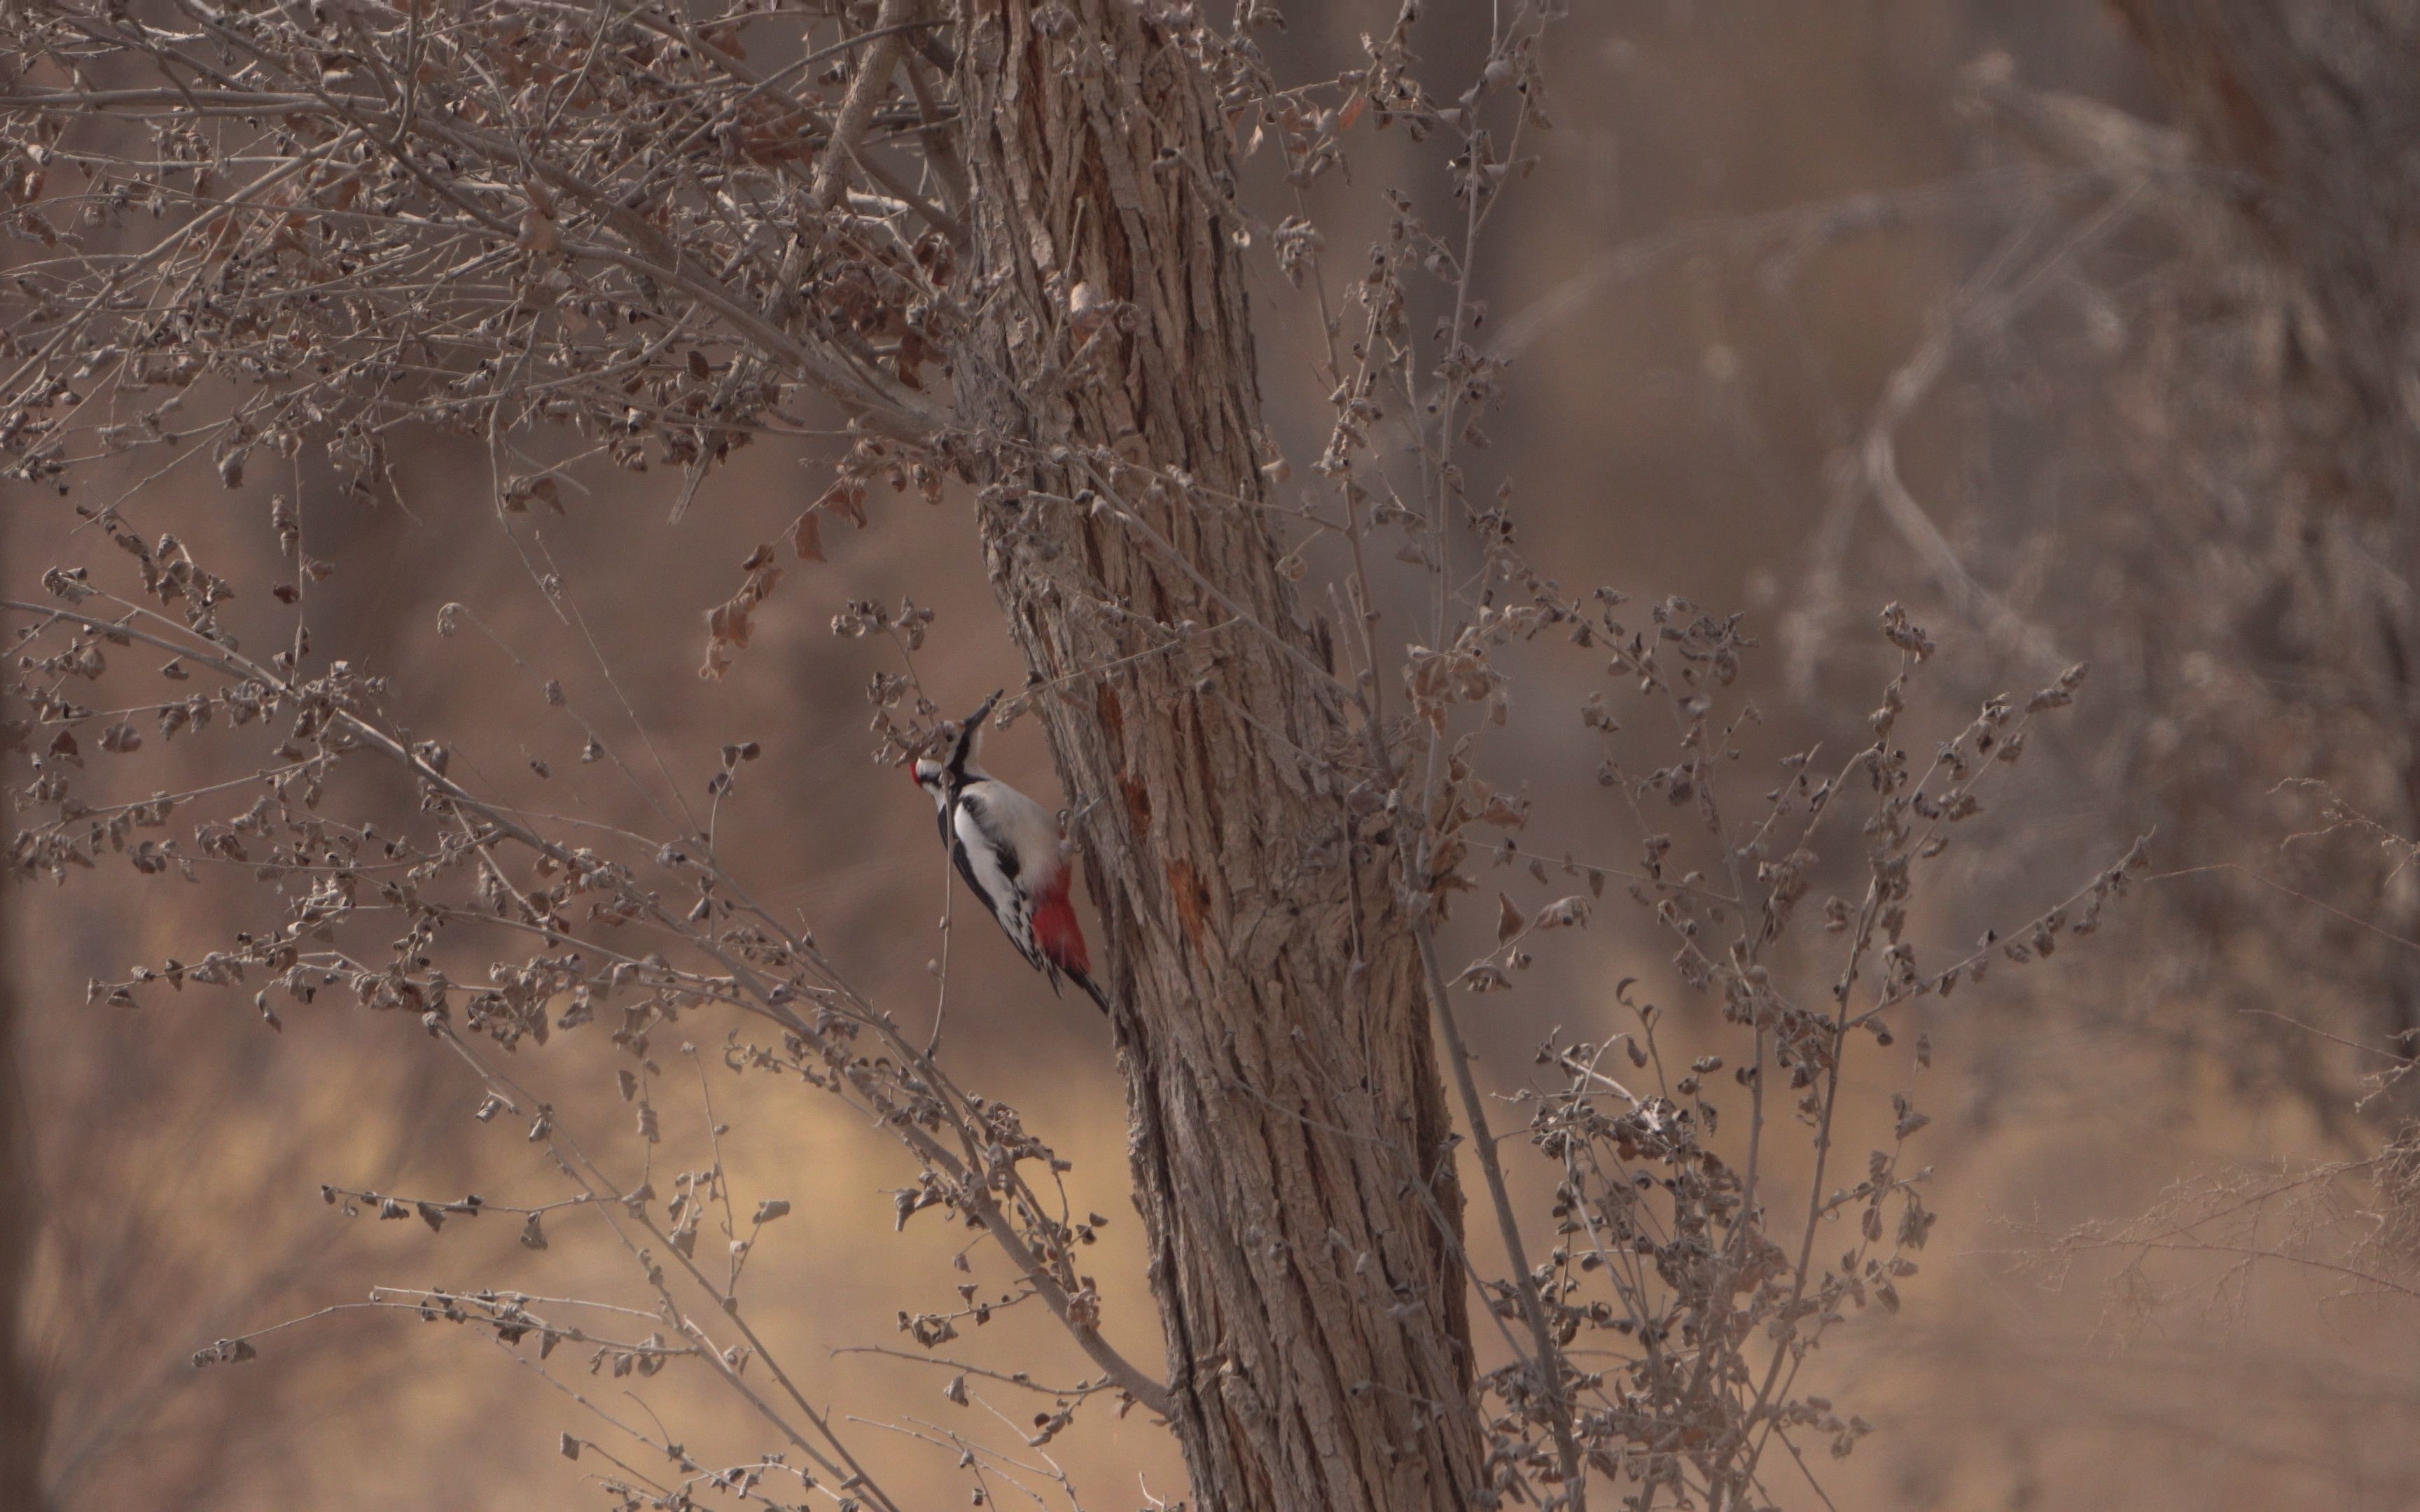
<point>1678,1252</point>
<point>1674,1253</point>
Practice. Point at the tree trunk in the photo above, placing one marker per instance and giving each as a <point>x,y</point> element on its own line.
<point>1292,1149</point>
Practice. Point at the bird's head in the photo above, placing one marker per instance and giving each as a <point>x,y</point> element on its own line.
<point>957,753</point>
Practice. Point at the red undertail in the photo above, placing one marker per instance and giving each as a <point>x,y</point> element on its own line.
<point>1060,937</point>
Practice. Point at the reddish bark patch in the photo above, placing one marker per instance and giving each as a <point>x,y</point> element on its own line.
<point>1137,805</point>
<point>1192,899</point>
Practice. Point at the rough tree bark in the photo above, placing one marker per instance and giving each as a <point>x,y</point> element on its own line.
<point>1292,1149</point>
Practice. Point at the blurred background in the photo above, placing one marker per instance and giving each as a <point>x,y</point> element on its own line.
<point>1810,308</point>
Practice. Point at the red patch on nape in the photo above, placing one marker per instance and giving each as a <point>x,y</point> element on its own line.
<point>1060,937</point>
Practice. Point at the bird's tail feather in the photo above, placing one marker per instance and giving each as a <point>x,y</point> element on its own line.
<point>1093,990</point>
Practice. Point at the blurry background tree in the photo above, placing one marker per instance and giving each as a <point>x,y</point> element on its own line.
<point>409,281</point>
<point>2290,307</point>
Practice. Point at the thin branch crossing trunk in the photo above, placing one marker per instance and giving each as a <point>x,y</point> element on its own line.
<point>1292,1149</point>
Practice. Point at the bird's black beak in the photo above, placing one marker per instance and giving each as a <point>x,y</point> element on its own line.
<point>969,731</point>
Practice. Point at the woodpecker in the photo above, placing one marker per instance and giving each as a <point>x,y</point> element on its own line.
<point>1007,848</point>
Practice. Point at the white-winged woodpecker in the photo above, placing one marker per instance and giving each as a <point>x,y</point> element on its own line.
<point>1008,849</point>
